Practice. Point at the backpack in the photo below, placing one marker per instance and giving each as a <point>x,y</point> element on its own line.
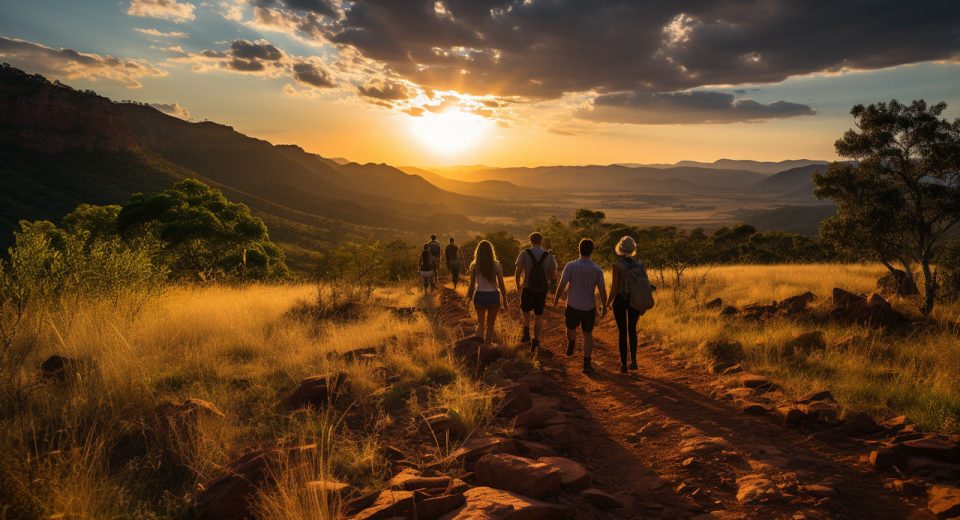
<point>426,261</point>
<point>635,286</point>
<point>536,280</point>
<point>435,249</point>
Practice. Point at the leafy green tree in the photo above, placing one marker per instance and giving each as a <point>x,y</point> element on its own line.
<point>205,235</point>
<point>505,244</point>
<point>901,194</point>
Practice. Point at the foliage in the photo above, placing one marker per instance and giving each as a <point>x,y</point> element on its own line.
<point>505,245</point>
<point>948,267</point>
<point>369,263</point>
<point>901,195</point>
<point>205,236</point>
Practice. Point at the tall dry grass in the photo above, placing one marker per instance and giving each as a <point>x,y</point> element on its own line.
<point>914,372</point>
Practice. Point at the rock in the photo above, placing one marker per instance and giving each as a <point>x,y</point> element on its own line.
<point>933,446</point>
<point>758,311</point>
<point>883,458</point>
<point>932,469</point>
<point>751,408</point>
<point>572,474</point>
<point>556,435</point>
<point>818,395</point>
<point>173,424</point>
<point>410,479</point>
<point>329,487</point>
<point>445,425</point>
<point>818,490</point>
<point>739,393</point>
<point>909,488</point>
<point>753,489</point>
<point>544,401</point>
<point>718,367</point>
<point>897,283</point>
<point>540,417</point>
<point>805,343</point>
<point>895,424</point>
<point>860,423</point>
<point>944,501</point>
<point>230,495</point>
<point>474,352</point>
<point>729,310</point>
<point>474,449</point>
<point>515,399</point>
<point>389,504</point>
<point>715,303</point>
<point>62,368</point>
<point>316,391</point>
<point>535,450</point>
<point>721,350</point>
<point>871,310</point>
<point>758,383</point>
<point>823,412</point>
<point>485,503</point>
<point>791,415</point>
<point>518,474</point>
<point>795,304</point>
<point>600,499</point>
<point>433,508</point>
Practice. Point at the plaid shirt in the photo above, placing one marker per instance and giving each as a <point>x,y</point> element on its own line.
<point>584,276</point>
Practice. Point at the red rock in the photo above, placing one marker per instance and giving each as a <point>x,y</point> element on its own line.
<point>755,489</point>
<point>558,435</point>
<point>515,398</point>
<point>796,303</point>
<point>473,449</point>
<point>944,501</point>
<point>759,383</point>
<point>883,458</point>
<point>445,425</point>
<point>433,508</point>
<point>791,415</point>
<point>821,411</point>
<point>933,446</point>
<point>518,474</point>
<point>316,391</point>
<point>721,350</point>
<point>740,393</point>
<point>485,503</point>
<point>389,504</point>
<point>535,450</point>
<point>909,488</point>
<point>751,408</point>
<point>601,499</point>
<point>572,474</point>
<point>410,479</point>
<point>540,417</point>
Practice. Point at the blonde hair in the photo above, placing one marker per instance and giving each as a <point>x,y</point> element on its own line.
<point>485,260</point>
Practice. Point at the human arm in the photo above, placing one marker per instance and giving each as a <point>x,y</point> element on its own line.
<point>503,288</point>
<point>564,280</point>
<point>601,286</point>
<point>614,283</point>
<point>473,283</point>
<point>517,272</point>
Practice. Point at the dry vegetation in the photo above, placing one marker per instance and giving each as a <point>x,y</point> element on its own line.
<point>914,372</point>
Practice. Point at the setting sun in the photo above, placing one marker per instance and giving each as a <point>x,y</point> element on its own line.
<point>449,132</point>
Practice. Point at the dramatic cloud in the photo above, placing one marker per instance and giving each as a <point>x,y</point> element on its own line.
<point>173,109</point>
<point>386,90</point>
<point>164,9</point>
<point>320,7</point>
<point>71,64</point>
<point>312,74</point>
<point>251,56</point>
<point>695,107</point>
<point>160,34</point>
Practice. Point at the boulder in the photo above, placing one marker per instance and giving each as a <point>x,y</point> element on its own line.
<point>816,395</point>
<point>518,474</point>
<point>752,408</point>
<point>860,423</point>
<point>486,503</point>
<point>572,474</point>
<point>62,368</point>
<point>944,501</point>
<point>795,304</point>
<point>535,450</point>
<point>729,310</point>
<point>753,489</point>
<point>515,398</point>
<point>600,499</point>
<point>933,446</point>
<point>715,303</point>
<point>897,283</point>
<point>410,479</point>
<point>721,350</point>
<point>472,351</point>
<point>435,507</point>
<point>791,415</point>
<point>540,417</point>
<point>474,449</point>
<point>883,458</point>
<point>389,504</point>
<point>869,310</point>
<point>316,391</point>
<point>823,412</point>
<point>445,425</point>
<point>558,435</point>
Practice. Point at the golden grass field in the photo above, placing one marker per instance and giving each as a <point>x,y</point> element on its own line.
<point>240,348</point>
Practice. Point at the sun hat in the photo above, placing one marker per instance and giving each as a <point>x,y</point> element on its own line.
<point>626,247</point>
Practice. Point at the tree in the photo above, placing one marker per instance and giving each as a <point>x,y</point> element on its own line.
<point>205,235</point>
<point>901,193</point>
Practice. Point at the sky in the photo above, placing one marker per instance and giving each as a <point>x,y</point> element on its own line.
<point>504,82</point>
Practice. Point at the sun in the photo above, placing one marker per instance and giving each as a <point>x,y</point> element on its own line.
<point>449,132</point>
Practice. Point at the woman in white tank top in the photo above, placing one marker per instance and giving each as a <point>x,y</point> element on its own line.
<point>486,289</point>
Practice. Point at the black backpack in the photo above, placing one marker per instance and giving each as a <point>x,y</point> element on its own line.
<point>426,261</point>
<point>536,280</point>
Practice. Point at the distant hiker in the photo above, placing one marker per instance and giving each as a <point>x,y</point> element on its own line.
<point>486,289</point>
<point>454,260</point>
<point>539,271</point>
<point>435,251</point>
<point>583,276</point>
<point>427,268</point>
<point>631,296</point>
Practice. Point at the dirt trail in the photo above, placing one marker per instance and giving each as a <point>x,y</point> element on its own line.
<point>657,435</point>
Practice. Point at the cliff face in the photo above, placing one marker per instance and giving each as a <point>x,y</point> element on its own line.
<point>41,116</point>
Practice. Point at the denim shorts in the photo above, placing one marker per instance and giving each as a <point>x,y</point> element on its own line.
<point>486,298</point>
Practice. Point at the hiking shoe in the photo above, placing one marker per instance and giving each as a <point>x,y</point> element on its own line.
<point>526,335</point>
<point>623,368</point>
<point>534,345</point>
<point>570,345</point>
<point>633,365</point>
<point>587,369</point>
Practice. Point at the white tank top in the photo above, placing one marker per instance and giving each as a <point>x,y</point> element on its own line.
<point>484,285</point>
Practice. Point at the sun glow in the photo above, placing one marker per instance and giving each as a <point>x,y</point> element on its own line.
<point>449,132</point>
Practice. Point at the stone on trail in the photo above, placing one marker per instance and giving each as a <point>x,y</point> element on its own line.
<point>817,395</point>
<point>435,507</point>
<point>752,489</point>
<point>934,446</point>
<point>518,474</point>
<point>474,449</point>
<point>797,303</point>
<point>601,499</point>
<point>823,412</point>
<point>444,425</point>
<point>752,408</point>
<point>944,501</point>
<point>860,423</point>
<point>883,458</point>
<point>410,479</point>
<point>758,383</point>
<point>389,504</point>
<point>539,418</point>
<point>535,450</point>
<point>486,503</point>
<point>791,415</point>
<point>515,398</point>
<point>316,391</point>
<point>573,475</point>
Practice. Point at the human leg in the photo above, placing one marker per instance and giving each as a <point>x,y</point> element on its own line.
<point>620,315</point>
<point>633,317</point>
<point>491,323</point>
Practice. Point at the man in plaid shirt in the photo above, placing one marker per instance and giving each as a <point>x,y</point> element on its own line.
<point>583,276</point>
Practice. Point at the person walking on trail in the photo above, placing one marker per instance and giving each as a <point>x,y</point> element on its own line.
<point>583,276</point>
<point>486,289</point>
<point>630,296</point>
<point>427,268</point>
<point>435,251</point>
<point>538,269</point>
<point>454,260</point>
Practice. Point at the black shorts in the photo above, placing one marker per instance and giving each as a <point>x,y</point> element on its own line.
<point>532,301</point>
<point>583,319</point>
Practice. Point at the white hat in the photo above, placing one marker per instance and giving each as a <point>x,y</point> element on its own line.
<point>627,246</point>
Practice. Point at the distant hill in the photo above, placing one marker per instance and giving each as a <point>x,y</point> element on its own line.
<point>766,167</point>
<point>804,220</point>
<point>489,188</point>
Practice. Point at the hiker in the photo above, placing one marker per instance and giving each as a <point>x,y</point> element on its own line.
<point>427,268</point>
<point>486,289</point>
<point>539,271</point>
<point>454,261</point>
<point>583,276</point>
<point>631,296</point>
<point>435,251</point>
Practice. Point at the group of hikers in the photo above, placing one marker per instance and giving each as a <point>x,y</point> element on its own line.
<point>535,276</point>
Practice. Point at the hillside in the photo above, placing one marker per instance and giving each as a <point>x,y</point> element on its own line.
<point>765,167</point>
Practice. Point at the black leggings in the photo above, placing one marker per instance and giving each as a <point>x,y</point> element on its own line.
<point>626,317</point>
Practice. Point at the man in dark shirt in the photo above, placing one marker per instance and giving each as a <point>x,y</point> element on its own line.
<point>454,261</point>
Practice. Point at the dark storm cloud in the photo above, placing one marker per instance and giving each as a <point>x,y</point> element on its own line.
<point>686,108</point>
<point>320,7</point>
<point>258,50</point>
<point>312,74</point>
<point>386,90</point>
<point>544,48</point>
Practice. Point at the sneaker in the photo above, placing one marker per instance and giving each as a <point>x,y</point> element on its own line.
<point>587,369</point>
<point>526,335</point>
<point>534,345</point>
<point>570,345</point>
<point>633,365</point>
